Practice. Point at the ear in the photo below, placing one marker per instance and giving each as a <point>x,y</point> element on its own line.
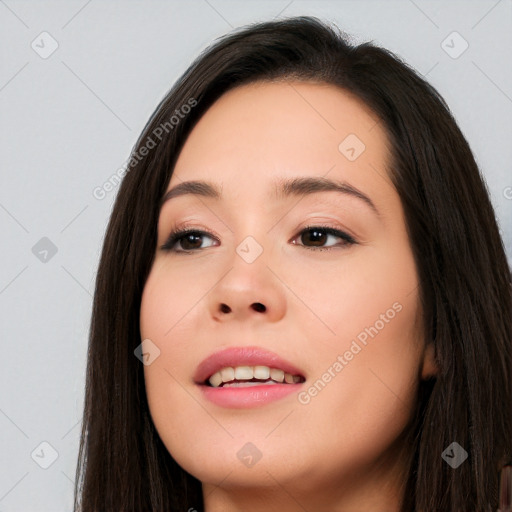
<point>429,367</point>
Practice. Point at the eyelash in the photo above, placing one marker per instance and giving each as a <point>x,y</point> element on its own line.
<point>178,234</point>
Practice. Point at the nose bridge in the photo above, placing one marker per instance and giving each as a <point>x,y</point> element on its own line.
<point>252,242</point>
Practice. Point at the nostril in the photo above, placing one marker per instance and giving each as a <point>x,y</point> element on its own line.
<point>225,308</point>
<point>259,307</point>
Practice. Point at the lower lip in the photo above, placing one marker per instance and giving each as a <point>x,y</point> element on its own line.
<point>251,396</point>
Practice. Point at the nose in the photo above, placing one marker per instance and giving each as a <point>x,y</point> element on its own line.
<point>248,292</point>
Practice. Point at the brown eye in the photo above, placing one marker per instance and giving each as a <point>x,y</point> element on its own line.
<point>187,240</point>
<point>316,236</point>
<point>190,241</point>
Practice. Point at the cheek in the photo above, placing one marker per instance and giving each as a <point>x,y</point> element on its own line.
<point>366,381</point>
<point>167,314</point>
<point>165,301</point>
<point>171,315</point>
<point>366,369</point>
<point>359,294</point>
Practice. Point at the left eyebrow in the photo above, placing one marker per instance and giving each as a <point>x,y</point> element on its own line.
<point>311,185</point>
<point>283,188</point>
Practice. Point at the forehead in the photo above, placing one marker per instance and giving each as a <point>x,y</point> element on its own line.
<point>264,131</point>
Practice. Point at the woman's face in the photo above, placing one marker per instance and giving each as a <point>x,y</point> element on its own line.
<point>340,311</point>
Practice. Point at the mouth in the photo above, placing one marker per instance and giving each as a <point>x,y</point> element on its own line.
<point>242,377</point>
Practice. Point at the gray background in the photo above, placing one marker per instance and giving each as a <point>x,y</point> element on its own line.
<point>68,123</point>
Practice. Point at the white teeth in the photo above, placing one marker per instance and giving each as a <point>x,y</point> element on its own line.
<point>216,380</point>
<point>227,374</point>
<point>246,373</point>
<point>277,375</point>
<point>243,373</point>
<point>261,372</point>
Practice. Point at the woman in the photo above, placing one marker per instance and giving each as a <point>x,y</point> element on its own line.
<point>272,369</point>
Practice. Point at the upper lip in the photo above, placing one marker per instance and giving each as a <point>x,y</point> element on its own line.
<point>242,356</point>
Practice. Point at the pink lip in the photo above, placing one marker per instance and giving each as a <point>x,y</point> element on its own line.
<point>244,397</point>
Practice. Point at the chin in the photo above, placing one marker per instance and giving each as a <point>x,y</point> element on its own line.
<point>242,460</point>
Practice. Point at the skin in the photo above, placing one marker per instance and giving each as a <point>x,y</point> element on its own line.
<point>341,451</point>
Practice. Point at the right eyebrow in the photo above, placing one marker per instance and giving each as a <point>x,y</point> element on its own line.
<point>195,187</point>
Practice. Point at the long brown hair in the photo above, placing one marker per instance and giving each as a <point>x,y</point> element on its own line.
<point>465,284</point>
